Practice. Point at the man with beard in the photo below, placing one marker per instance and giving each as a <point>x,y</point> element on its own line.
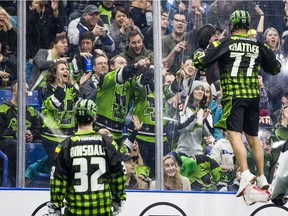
<point>178,44</point>
<point>136,48</point>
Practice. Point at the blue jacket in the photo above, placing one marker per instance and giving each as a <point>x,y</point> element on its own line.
<point>216,116</point>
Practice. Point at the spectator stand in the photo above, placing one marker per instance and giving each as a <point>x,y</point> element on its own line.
<point>5,94</point>
<point>32,98</point>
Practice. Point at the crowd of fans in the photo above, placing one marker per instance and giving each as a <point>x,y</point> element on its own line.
<point>103,50</point>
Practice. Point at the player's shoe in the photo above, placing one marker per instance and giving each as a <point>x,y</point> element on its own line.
<point>246,179</point>
<point>262,183</point>
<point>253,194</point>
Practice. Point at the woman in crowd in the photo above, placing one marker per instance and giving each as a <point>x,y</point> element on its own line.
<point>46,59</point>
<point>273,84</point>
<point>184,78</point>
<point>173,180</point>
<point>59,98</point>
<point>216,113</point>
<point>194,119</point>
<point>120,29</point>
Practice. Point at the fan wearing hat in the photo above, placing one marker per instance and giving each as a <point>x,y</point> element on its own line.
<point>90,21</point>
<point>86,166</point>
<point>132,181</point>
<point>192,118</point>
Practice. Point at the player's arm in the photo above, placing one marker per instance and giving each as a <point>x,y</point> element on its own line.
<point>203,59</point>
<point>59,176</point>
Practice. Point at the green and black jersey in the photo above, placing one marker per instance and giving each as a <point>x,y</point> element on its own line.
<point>57,114</point>
<point>239,59</point>
<point>144,108</point>
<point>112,100</point>
<point>207,173</point>
<point>9,123</point>
<point>88,174</point>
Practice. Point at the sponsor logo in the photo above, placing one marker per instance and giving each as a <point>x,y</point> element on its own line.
<point>259,211</point>
<point>163,208</point>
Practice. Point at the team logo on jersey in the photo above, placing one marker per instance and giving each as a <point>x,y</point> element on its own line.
<point>13,124</point>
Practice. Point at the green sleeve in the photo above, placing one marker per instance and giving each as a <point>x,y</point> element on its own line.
<point>188,166</point>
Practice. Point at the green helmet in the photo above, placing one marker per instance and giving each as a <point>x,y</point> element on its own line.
<point>240,19</point>
<point>85,110</point>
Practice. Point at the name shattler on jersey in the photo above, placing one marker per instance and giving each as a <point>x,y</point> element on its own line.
<point>244,47</point>
<point>86,150</point>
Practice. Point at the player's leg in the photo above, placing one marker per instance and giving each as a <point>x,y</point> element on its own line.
<point>239,149</point>
<point>232,121</point>
<point>250,127</point>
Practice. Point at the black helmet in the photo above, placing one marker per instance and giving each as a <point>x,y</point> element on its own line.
<point>85,110</point>
<point>240,19</point>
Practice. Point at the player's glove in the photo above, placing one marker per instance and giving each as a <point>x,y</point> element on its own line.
<point>53,210</point>
<point>198,54</point>
<point>117,207</point>
<point>280,200</point>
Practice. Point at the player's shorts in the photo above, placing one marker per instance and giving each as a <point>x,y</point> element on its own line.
<point>240,114</point>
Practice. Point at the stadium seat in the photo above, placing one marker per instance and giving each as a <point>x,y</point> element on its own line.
<point>5,94</point>
<point>33,100</point>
